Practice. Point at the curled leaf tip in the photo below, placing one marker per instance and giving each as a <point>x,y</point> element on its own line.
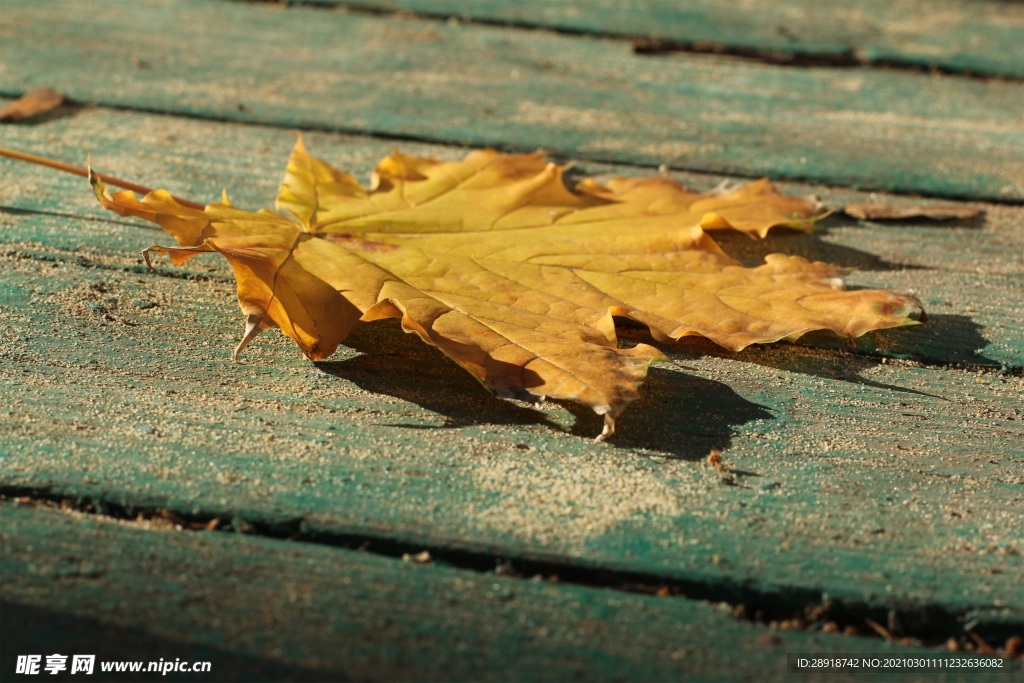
<point>253,326</point>
<point>608,430</point>
<point>98,186</point>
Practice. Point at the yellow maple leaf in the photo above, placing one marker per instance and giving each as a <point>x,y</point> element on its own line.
<point>493,260</point>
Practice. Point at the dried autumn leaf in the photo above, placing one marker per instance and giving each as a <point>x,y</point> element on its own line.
<point>512,275</point>
<point>888,212</point>
<point>32,103</point>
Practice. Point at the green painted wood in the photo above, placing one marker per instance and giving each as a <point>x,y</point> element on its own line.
<point>968,275</point>
<point>976,37</point>
<point>882,485</point>
<point>878,485</point>
<point>583,97</point>
<point>255,607</point>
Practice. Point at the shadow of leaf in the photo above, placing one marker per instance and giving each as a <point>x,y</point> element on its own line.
<point>944,339</point>
<point>679,415</point>
<point>830,366</point>
<point>456,396</point>
<point>810,246</point>
<point>400,365</point>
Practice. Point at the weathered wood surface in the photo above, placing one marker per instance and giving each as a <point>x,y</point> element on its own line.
<point>479,85</point>
<point>968,274</point>
<point>978,37</point>
<point>882,477</point>
<point>315,613</point>
<point>881,485</point>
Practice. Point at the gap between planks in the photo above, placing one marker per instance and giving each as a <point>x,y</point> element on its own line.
<point>71,106</point>
<point>911,624</point>
<point>514,148</point>
<point>849,128</point>
<point>642,45</point>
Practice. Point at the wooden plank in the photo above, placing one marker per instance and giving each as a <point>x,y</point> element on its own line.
<point>882,465</point>
<point>260,609</point>
<point>588,98</point>
<point>975,37</point>
<point>968,274</point>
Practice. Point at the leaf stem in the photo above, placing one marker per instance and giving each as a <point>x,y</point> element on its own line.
<point>78,170</point>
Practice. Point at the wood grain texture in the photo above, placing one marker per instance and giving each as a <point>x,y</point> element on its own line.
<point>978,37</point>
<point>583,97</point>
<point>876,484</point>
<point>261,609</point>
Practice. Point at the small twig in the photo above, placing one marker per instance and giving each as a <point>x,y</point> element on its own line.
<point>79,171</point>
<point>721,467</point>
<point>879,629</point>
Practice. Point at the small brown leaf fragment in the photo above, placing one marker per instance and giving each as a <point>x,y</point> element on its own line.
<point>888,212</point>
<point>983,647</point>
<point>422,557</point>
<point>32,103</point>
